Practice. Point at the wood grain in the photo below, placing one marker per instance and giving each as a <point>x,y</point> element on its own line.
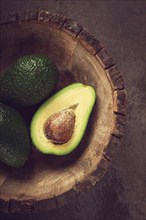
<point>48,182</point>
<point>89,41</point>
<point>105,58</point>
<point>120,101</point>
<point>115,77</point>
<point>51,18</point>
<point>71,27</point>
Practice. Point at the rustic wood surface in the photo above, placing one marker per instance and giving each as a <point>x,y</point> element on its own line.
<point>48,182</point>
<point>120,194</point>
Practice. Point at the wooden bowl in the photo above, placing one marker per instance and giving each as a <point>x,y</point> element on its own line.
<point>46,181</point>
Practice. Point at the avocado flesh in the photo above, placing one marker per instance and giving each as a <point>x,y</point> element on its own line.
<point>14,137</point>
<point>28,81</point>
<point>77,94</point>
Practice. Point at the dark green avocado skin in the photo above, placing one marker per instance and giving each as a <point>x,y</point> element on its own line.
<point>14,137</point>
<point>28,81</point>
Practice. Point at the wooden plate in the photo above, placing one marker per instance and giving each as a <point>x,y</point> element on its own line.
<point>46,181</point>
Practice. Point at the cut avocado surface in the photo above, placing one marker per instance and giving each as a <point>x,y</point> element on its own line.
<point>28,81</point>
<point>76,100</point>
<point>14,137</point>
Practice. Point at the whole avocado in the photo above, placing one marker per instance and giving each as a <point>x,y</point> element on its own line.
<point>15,145</point>
<point>28,81</point>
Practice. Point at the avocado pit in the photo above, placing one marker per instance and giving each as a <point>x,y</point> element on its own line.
<point>59,126</point>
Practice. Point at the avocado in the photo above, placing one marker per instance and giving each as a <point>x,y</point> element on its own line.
<point>59,124</point>
<point>28,81</point>
<point>14,137</point>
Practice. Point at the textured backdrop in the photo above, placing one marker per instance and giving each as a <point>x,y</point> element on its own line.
<point>120,26</point>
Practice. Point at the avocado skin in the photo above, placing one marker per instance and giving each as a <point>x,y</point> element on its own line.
<point>77,95</point>
<point>14,137</point>
<point>28,81</point>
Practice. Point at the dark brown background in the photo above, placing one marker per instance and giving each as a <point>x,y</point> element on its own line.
<point>120,26</point>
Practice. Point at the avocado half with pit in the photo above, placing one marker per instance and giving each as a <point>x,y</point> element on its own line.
<point>59,124</point>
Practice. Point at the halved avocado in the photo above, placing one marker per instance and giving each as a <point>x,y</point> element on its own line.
<point>72,105</point>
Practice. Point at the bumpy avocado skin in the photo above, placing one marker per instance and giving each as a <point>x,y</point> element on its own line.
<point>28,81</point>
<point>14,137</point>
